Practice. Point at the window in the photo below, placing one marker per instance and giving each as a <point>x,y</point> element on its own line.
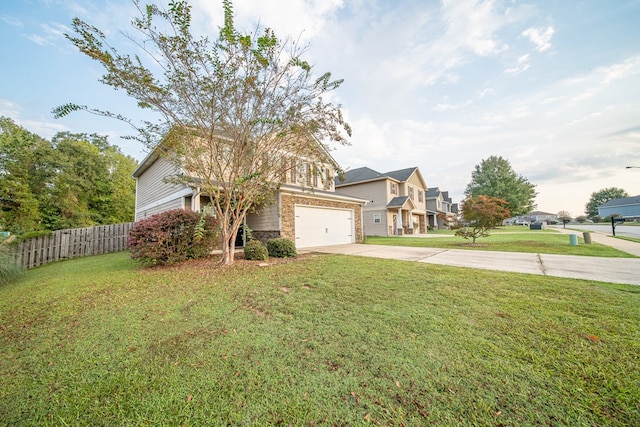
<point>411,192</point>
<point>328,179</point>
<point>293,171</point>
<point>377,218</point>
<point>420,195</point>
<point>394,188</point>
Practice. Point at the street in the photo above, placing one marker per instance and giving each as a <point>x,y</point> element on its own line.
<point>621,229</point>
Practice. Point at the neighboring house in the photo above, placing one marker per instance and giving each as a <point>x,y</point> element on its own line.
<point>307,208</point>
<point>539,216</point>
<point>439,202</point>
<point>626,207</point>
<point>396,200</point>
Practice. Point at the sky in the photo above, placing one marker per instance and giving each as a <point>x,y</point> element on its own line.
<point>551,86</point>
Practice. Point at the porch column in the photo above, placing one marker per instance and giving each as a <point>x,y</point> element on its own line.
<point>400,228</point>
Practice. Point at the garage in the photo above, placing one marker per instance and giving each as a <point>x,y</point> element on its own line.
<point>316,226</point>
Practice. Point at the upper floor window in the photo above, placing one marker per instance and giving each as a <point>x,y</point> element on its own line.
<point>393,188</point>
<point>420,195</point>
<point>328,179</point>
<point>410,192</point>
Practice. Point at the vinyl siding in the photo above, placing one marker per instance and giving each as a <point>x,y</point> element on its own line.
<point>267,219</point>
<point>373,229</point>
<point>151,188</point>
<point>376,193</point>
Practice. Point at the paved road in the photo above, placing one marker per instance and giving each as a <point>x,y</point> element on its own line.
<point>621,230</point>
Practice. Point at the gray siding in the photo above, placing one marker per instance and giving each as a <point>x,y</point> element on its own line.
<point>267,219</point>
<point>153,195</point>
<point>376,193</point>
<point>373,229</point>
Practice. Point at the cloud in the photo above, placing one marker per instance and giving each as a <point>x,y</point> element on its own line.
<point>11,20</point>
<point>541,37</point>
<point>522,65</point>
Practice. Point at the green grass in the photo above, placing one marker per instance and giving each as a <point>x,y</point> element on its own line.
<point>536,241</point>
<point>324,340</point>
<point>631,239</point>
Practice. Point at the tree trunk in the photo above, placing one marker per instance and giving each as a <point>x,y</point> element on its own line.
<point>228,247</point>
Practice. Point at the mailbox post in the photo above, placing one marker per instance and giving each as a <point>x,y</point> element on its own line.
<point>614,221</point>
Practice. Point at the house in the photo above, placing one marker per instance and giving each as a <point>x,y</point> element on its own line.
<point>626,207</point>
<point>306,208</point>
<point>396,202</point>
<point>439,206</point>
<point>539,216</point>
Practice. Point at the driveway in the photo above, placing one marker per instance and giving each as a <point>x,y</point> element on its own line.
<point>613,270</point>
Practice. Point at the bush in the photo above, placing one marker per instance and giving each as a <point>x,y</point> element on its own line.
<point>9,270</point>
<point>281,248</point>
<point>255,250</point>
<point>172,236</point>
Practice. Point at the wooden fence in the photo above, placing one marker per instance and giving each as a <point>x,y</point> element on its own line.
<point>73,243</point>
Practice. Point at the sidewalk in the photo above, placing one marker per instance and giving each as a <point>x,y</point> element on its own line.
<point>612,270</point>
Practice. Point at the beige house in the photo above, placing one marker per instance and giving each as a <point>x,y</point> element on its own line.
<point>396,200</point>
<point>306,209</point>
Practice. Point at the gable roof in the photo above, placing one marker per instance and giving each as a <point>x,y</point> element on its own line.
<point>365,174</point>
<point>400,201</point>
<point>622,201</point>
<point>161,150</point>
<point>358,175</point>
<point>402,174</point>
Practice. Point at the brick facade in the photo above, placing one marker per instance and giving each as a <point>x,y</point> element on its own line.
<point>289,202</point>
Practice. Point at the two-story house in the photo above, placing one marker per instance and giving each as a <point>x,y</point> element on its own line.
<point>439,207</point>
<point>396,202</point>
<point>305,209</point>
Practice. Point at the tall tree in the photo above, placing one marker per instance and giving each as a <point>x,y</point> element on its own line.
<point>72,181</point>
<point>480,214</point>
<point>599,198</point>
<point>232,110</point>
<point>24,174</point>
<point>495,177</point>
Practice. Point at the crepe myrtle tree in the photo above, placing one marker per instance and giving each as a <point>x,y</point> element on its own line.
<point>480,214</point>
<point>234,111</point>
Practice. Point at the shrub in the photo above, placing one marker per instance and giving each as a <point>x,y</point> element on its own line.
<point>172,236</point>
<point>255,250</point>
<point>9,269</point>
<point>281,248</point>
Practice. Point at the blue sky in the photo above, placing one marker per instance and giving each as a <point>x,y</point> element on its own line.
<point>552,86</point>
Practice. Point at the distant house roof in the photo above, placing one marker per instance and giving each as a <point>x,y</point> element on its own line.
<point>540,213</point>
<point>433,192</point>
<point>365,174</point>
<point>621,201</point>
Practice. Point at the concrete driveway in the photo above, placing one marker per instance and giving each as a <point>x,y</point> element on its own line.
<point>613,270</point>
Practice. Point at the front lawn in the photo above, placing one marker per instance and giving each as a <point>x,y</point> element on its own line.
<point>536,241</point>
<point>322,340</point>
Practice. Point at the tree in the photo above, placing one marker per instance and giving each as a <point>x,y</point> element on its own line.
<point>565,217</point>
<point>24,174</point>
<point>599,198</point>
<point>480,214</point>
<point>72,181</point>
<point>494,177</point>
<point>232,110</point>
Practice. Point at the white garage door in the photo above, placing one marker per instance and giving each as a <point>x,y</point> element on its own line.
<point>323,226</point>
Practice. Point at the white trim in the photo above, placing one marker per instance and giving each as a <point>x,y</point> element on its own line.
<point>170,197</point>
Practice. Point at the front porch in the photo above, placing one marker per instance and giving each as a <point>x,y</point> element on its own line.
<point>405,219</point>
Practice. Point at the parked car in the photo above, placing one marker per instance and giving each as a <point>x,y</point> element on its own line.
<point>521,222</point>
